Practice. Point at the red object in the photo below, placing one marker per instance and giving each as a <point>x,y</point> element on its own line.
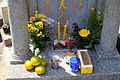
<point>71,50</point>
<point>69,42</point>
<point>64,43</point>
<point>32,19</point>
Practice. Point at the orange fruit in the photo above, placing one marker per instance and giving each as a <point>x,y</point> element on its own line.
<point>69,54</point>
<point>40,69</point>
<point>35,60</point>
<point>28,65</point>
<point>43,62</point>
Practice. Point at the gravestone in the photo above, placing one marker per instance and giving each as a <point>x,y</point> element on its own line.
<point>5,15</point>
<point>65,10</point>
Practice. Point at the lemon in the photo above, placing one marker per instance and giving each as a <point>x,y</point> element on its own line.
<point>40,69</point>
<point>28,65</point>
<point>35,60</point>
<point>43,62</point>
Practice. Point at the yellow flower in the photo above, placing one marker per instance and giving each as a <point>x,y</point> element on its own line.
<point>31,28</point>
<point>30,25</point>
<point>84,32</point>
<point>40,24</point>
<point>40,16</point>
<point>36,11</point>
<point>40,34</point>
<point>5,26</point>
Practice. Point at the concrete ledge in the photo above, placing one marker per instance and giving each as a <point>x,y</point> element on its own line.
<point>109,70</point>
<point>18,72</point>
<point>104,56</point>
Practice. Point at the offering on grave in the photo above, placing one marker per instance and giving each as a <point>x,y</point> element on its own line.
<point>28,65</point>
<point>74,64</point>
<point>38,63</point>
<point>68,56</point>
<point>63,30</point>
<point>43,62</point>
<point>40,69</point>
<point>35,60</point>
<point>55,63</point>
<point>86,65</point>
<point>64,45</point>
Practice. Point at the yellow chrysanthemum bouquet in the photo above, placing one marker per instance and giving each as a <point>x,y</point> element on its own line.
<point>84,37</point>
<point>37,28</point>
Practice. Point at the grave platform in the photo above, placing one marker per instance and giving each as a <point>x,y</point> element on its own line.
<point>105,70</point>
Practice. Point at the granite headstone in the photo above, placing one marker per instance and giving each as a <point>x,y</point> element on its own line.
<point>5,15</point>
<point>64,10</point>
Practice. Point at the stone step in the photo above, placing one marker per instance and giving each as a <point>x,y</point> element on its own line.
<point>18,72</point>
<point>108,70</point>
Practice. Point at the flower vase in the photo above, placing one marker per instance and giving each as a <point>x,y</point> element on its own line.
<point>87,47</point>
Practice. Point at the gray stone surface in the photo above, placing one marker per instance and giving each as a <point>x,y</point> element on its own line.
<point>1,50</point>
<point>101,5</point>
<point>32,7</point>
<point>108,70</point>
<point>92,4</point>
<point>2,4</point>
<point>73,15</point>
<point>18,21</point>
<point>5,15</point>
<point>110,29</point>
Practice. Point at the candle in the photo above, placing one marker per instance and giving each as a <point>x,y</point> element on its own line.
<point>65,30</point>
<point>66,38</point>
<point>65,35</point>
<point>58,30</point>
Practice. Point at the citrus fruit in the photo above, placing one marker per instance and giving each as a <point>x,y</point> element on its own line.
<point>43,62</point>
<point>28,65</point>
<point>69,54</point>
<point>35,60</point>
<point>40,69</point>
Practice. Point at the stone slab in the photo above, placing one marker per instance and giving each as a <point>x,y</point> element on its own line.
<point>32,7</point>
<point>106,55</point>
<point>102,70</point>
<point>51,7</point>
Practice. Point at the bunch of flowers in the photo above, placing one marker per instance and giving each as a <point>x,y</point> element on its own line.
<point>6,28</point>
<point>37,27</point>
<point>84,37</point>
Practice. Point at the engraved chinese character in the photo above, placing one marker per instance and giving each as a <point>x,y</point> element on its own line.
<point>74,8</point>
<point>62,15</point>
<point>62,4</point>
<point>47,7</point>
<point>81,2</point>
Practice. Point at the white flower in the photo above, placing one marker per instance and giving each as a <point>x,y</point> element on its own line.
<point>48,20</point>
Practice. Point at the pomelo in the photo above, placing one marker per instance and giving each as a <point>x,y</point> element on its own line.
<point>35,60</point>
<point>43,62</point>
<point>28,65</point>
<point>40,69</point>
